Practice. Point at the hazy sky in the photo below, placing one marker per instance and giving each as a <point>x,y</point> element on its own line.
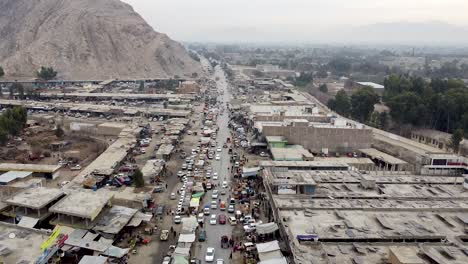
<point>227,20</point>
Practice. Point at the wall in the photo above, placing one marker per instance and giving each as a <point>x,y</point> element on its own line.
<point>315,139</point>
<point>279,118</point>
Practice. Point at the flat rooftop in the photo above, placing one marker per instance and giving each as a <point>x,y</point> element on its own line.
<point>115,96</point>
<point>22,245</point>
<point>291,153</point>
<point>297,202</point>
<point>35,198</point>
<point>309,164</point>
<point>83,203</point>
<point>10,176</point>
<point>403,142</point>
<point>41,168</point>
<point>326,253</point>
<point>108,160</point>
<point>377,154</point>
<point>355,225</point>
<point>115,219</point>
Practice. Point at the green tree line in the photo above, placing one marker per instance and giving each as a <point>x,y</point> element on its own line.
<point>359,106</point>
<point>12,121</point>
<point>440,104</point>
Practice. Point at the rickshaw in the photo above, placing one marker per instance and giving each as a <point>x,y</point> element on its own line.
<point>224,242</point>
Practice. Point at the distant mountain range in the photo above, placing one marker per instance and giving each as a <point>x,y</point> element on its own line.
<point>408,33</point>
<point>425,33</point>
<point>86,39</point>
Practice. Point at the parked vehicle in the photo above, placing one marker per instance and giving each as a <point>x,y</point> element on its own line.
<point>232,220</point>
<point>76,167</point>
<point>202,236</point>
<point>210,254</point>
<point>222,219</point>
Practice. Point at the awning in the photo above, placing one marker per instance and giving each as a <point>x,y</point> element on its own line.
<point>93,260</point>
<point>186,238</point>
<point>189,225</point>
<point>195,202</point>
<point>266,228</point>
<point>249,172</point>
<point>180,260</point>
<point>275,261</point>
<point>180,251</point>
<point>138,218</point>
<point>116,252</point>
<point>268,246</point>
<point>115,220</point>
<point>28,222</point>
<point>269,251</point>
<point>198,195</point>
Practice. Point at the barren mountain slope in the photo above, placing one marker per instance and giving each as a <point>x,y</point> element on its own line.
<point>86,39</point>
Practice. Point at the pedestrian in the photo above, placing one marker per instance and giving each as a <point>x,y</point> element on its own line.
<point>175,233</point>
<point>172,229</point>
<point>166,185</point>
<point>230,255</point>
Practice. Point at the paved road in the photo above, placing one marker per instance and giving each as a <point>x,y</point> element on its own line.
<point>214,232</point>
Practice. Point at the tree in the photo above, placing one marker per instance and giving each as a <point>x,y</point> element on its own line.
<point>304,79</point>
<point>46,73</point>
<point>341,104</point>
<point>258,73</point>
<point>2,72</point>
<point>362,103</point>
<point>383,120</point>
<point>59,131</point>
<point>138,179</point>
<point>455,140</point>
<point>323,88</point>
<point>3,136</point>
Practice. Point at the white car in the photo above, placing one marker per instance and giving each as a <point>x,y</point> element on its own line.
<point>218,149</point>
<point>225,184</point>
<point>214,195</point>
<point>218,157</point>
<point>201,218</point>
<point>215,176</point>
<point>213,220</point>
<point>177,219</point>
<point>210,254</point>
<point>220,261</point>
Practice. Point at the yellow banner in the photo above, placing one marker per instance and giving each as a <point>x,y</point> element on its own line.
<point>51,239</point>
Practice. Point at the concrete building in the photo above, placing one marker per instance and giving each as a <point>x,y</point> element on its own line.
<point>33,203</point>
<point>23,245</point>
<point>38,170</point>
<point>81,209</point>
<point>385,161</point>
<point>11,177</point>
<point>433,138</point>
<point>319,137</point>
<point>362,218</point>
<point>110,129</point>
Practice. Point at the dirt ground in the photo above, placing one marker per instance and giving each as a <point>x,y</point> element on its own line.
<point>83,149</point>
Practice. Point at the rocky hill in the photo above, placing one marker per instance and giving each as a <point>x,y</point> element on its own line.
<point>86,39</point>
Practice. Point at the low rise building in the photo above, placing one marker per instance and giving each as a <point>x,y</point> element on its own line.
<point>81,209</point>
<point>365,217</point>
